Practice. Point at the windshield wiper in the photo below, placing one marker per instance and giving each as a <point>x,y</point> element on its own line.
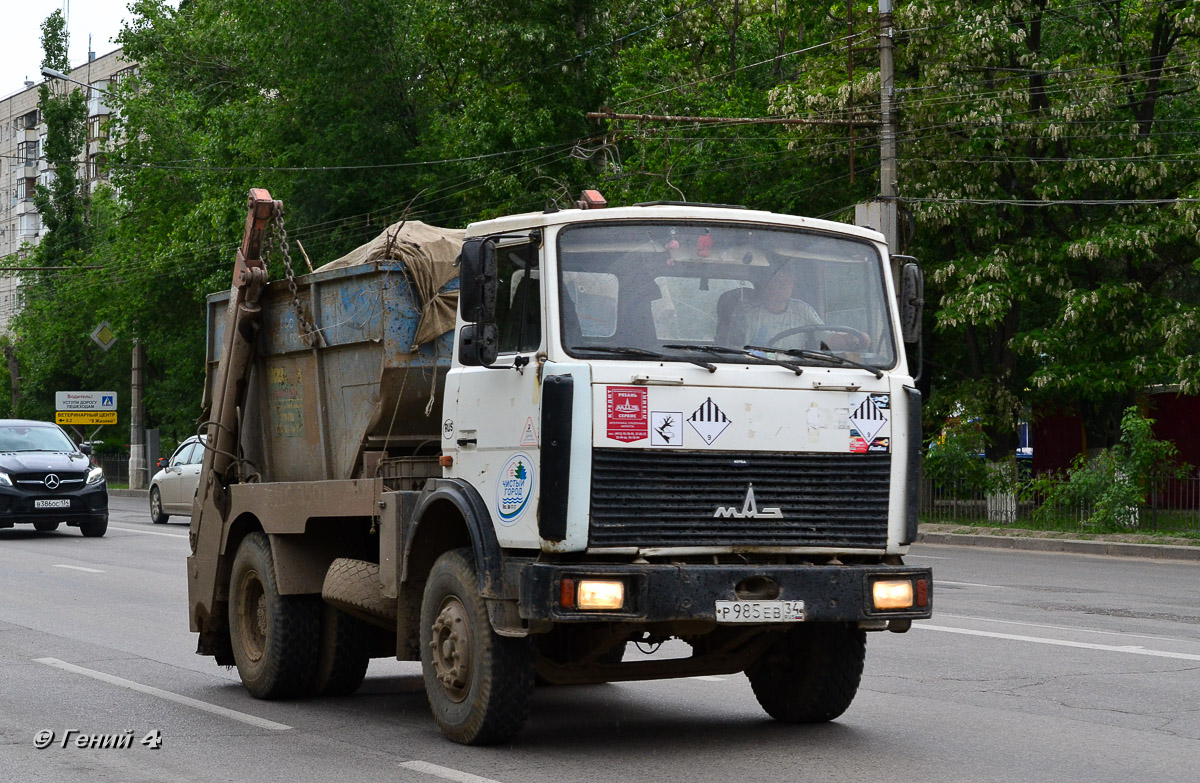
<point>724,351</point>
<point>829,356</point>
<point>623,350</point>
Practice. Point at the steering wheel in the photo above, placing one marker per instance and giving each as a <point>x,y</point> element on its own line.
<point>814,328</point>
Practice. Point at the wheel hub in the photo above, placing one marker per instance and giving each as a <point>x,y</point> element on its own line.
<point>253,615</point>
<point>452,645</point>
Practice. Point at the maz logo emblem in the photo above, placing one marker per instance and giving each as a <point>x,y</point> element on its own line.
<point>749,510</point>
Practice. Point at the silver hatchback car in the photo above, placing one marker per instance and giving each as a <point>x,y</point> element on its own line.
<point>173,488</point>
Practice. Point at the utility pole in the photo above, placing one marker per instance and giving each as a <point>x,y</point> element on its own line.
<point>882,213</point>
<point>887,129</point>
<point>137,425</point>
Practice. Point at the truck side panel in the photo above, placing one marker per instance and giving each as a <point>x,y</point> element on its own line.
<point>321,410</point>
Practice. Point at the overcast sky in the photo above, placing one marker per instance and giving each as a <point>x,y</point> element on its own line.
<point>21,35</point>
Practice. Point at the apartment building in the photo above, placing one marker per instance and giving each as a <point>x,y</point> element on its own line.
<point>23,165</point>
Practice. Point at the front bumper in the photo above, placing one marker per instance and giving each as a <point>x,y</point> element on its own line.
<point>18,506</point>
<point>664,593</point>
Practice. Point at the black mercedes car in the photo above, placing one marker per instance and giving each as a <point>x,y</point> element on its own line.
<point>45,480</point>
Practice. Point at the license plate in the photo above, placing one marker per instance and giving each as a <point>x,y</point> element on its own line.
<point>760,611</point>
<point>64,503</point>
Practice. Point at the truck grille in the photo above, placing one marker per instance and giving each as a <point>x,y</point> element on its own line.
<point>665,499</point>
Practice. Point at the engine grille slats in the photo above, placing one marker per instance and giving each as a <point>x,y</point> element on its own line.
<point>654,498</point>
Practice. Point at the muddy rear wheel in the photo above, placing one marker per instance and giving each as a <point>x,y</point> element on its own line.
<point>274,637</point>
<point>343,657</point>
<point>478,682</point>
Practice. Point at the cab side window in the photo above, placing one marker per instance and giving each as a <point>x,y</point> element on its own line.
<point>519,301</point>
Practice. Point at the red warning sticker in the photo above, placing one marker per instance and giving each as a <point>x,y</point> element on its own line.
<point>628,413</point>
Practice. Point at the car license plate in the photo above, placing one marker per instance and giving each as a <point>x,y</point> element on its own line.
<point>760,611</point>
<point>63,503</point>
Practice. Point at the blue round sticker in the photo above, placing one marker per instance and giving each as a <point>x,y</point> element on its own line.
<point>514,488</point>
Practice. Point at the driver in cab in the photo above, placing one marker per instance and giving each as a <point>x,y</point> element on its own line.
<point>770,311</point>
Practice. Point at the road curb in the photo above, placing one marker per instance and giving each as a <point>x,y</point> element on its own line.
<point>129,493</point>
<point>1065,545</point>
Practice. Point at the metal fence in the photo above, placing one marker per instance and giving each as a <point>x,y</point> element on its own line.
<point>116,467</point>
<point>1172,505</point>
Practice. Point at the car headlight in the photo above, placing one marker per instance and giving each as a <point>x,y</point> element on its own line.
<point>5,480</point>
<point>95,475</point>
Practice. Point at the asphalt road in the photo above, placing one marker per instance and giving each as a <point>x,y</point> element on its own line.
<point>1036,667</point>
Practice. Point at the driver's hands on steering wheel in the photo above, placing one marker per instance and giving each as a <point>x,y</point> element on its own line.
<point>848,340</point>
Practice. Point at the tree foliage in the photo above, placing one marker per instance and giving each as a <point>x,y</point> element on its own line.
<point>1047,160</point>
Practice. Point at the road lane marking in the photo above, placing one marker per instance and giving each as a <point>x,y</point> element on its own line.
<point>253,720</point>
<point>1066,628</point>
<point>937,582</point>
<point>1135,650</point>
<point>79,568</point>
<point>924,557</point>
<point>147,532</point>
<point>445,773</point>
<point>707,678</point>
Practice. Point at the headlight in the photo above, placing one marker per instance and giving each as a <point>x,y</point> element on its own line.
<point>95,475</point>
<point>5,480</point>
<point>893,594</point>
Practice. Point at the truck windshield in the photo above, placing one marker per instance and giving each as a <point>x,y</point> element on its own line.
<point>665,287</point>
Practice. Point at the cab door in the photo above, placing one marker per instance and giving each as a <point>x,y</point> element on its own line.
<point>493,434</point>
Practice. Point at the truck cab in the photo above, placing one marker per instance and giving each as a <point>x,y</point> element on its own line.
<point>657,366</point>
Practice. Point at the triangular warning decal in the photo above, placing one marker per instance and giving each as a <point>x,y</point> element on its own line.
<point>529,436</point>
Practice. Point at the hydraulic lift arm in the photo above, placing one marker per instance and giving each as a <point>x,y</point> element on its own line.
<point>228,392</point>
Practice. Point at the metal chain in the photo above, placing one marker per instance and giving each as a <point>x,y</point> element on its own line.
<point>307,329</point>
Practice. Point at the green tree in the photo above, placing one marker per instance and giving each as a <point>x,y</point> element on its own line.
<point>58,303</point>
<point>1047,152</point>
<point>63,203</point>
<point>1045,147</point>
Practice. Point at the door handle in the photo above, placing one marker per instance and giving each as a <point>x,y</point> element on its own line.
<point>468,441</point>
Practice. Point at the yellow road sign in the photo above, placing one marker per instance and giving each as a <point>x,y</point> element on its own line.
<point>85,417</point>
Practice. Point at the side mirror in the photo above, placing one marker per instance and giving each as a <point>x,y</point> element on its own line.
<point>478,280</point>
<point>478,345</point>
<point>912,302</point>
<point>85,449</point>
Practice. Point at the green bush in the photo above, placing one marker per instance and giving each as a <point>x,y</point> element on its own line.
<point>1111,486</point>
<point>954,461</point>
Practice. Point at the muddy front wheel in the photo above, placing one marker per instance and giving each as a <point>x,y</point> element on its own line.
<point>812,674</point>
<point>275,638</point>
<point>478,682</point>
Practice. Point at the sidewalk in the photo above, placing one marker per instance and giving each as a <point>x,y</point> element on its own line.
<point>1026,540</point>
<point>1045,541</point>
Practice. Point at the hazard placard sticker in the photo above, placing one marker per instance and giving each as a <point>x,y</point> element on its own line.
<point>866,421</point>
<point>709,421</point>
<point>666,428</point>
<point>529,435</point>
<point>628,413</point>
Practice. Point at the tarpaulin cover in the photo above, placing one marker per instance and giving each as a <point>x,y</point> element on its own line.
<point>428,253</point>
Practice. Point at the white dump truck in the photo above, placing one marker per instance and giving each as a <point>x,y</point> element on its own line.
<point>508,452</point>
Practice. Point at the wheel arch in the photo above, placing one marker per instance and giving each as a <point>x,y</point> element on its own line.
<point>450,516</point>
